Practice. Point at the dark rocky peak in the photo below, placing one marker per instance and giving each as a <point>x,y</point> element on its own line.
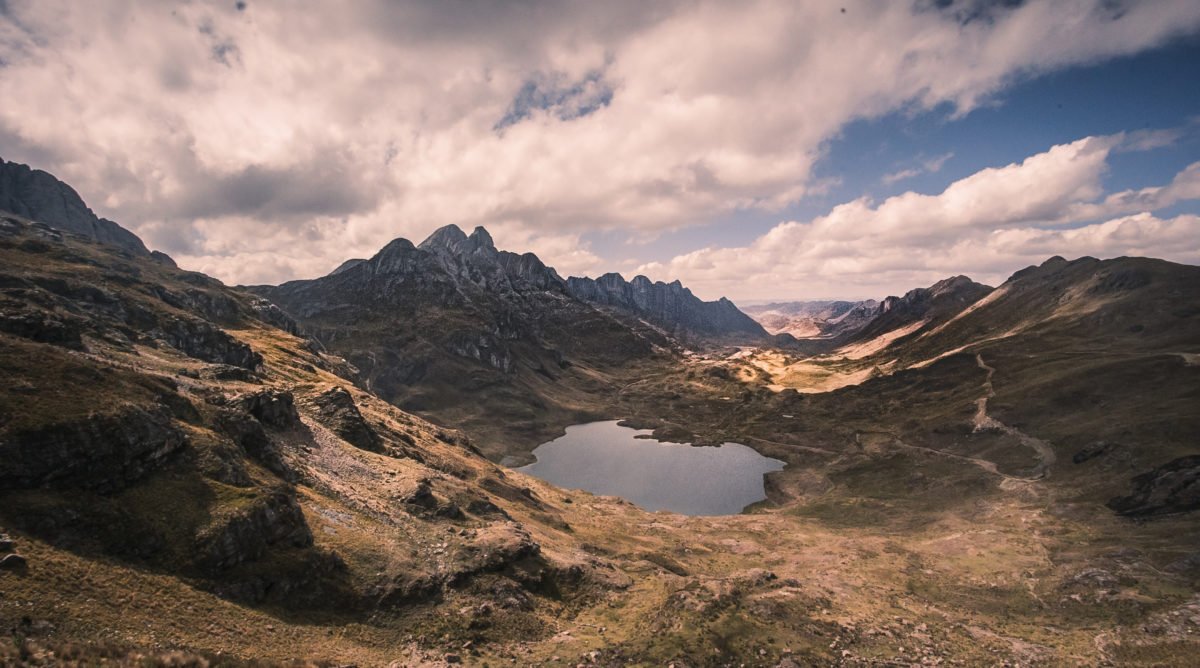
<point>952,284</point>
<point>399,256</point>
<point>40,197</point>
<point>957,288</point>
<point>453,241</point>
<point>448,237</point>
<point>480,240</point>
<point>348,264</point>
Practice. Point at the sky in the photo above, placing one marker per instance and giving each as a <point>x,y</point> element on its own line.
<point>755,150</point>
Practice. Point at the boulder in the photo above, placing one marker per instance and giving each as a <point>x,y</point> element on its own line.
<point>272,408</point>
<point>1173,487</point>
<point>1097,449</point>
<point>12,562</point>
<point>337,411</point>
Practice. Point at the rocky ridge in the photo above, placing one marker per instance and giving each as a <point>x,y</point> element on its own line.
<point>669,306</point>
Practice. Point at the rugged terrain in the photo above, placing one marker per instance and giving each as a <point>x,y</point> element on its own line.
<point>187,473</point>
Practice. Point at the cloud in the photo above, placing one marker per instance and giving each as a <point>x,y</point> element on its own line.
<point>229,132</point>
<point>930,166</point>
<point>987,224</point>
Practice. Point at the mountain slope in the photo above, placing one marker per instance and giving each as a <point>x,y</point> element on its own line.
<point>473,336</point>
<point>39,196</point>
<point>669,306</point>
<point>162,441</point>
<point>1120,304</point>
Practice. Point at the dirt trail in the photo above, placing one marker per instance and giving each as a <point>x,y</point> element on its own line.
<point>1045,452</point>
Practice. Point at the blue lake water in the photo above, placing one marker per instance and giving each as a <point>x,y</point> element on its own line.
<point>605,458</point>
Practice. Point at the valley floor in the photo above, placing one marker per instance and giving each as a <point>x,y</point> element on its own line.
<point>874,551</point>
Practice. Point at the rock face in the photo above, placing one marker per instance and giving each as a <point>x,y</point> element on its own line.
<point>668,305</point>
<point>246,535</point>
<point>336,410</point>
<point>39,196</point>
<point>199,339</point>
<point>1173,487</point>
<point>104,453</point>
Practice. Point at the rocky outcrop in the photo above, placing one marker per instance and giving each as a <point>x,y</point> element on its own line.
<point>668,305</point>
<point>42,326</point>
<point>203,341</point>
<point>273,408</point>
<point>494,548</point>
<point>274,316</point>
<point>1171,488</point>
<point>337,411</point>
<point>246,431</point>
<point>103,452</point>
<point>248,533</point>
<point>37,195</point>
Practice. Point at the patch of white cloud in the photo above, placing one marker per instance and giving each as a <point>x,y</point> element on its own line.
<point>275,142</point>
<point>986,225</point>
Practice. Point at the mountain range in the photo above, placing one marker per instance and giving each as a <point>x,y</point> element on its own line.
<point>812,319</point>
<point>199,474</point>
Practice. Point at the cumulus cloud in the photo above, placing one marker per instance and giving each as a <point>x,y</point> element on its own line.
<point>228,132</point>
<point>987,224</point>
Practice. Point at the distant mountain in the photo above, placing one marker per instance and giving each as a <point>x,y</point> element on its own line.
<point>37,195</point>
<point>669,306</point>
<point>919,310</point>
<point>808,319</point>
<point>468,334</point>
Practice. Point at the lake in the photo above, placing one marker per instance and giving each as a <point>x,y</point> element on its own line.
<point>606,458</point>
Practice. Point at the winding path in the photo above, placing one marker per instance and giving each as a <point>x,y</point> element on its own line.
<point>983,421</point>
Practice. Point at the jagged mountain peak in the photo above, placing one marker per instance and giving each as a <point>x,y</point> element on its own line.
<point>453,240</point>
<point>447,236</point>
<point>480,238</point>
